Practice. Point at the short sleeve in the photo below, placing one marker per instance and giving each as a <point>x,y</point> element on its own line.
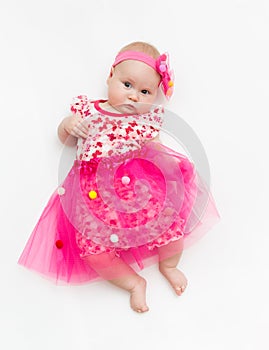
<point>81,105</point>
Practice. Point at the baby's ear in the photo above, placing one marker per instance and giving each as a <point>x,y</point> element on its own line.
<point>110,74</point>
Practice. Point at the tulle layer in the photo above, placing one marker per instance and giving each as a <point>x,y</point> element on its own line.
<point>126,207</point>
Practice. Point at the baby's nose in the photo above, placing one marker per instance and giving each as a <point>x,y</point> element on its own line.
<point>133,97</point>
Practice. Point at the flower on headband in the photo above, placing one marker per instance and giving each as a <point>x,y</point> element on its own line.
<point>162,67</point>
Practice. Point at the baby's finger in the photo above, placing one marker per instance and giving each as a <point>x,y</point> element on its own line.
<point>81,125</point>
<point>79,133</point>
<point>83,131</point>
<point>83,128</point>
<point>83,134</point>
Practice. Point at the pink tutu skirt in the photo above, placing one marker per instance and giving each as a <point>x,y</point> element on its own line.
<point>129,206</point>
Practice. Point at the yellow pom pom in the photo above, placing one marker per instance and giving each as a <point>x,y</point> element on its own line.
<point>92,194</point>
<point>170,83</point>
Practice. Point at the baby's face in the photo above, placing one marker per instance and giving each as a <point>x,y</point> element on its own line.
<point>132,87</point>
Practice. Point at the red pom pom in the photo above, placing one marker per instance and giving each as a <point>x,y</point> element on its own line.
<point>59,244</point>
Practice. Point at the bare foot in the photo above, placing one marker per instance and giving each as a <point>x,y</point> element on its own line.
<point>138,296</point>
<point>176,278</point>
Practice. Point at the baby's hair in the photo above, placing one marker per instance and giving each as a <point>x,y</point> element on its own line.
<point>142,46</point>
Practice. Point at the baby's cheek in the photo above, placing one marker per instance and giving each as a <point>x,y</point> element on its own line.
<point>144,107</point>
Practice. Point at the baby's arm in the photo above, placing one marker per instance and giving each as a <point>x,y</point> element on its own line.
<point>156,139</point>
<point>70,129</point>
<point>157,142</point>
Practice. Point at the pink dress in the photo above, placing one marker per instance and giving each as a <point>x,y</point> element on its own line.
<point>125,195</point>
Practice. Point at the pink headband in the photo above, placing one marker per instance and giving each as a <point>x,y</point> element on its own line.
<point>160,65</point>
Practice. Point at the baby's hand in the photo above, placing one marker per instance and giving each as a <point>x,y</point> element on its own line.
<point>74,125</point>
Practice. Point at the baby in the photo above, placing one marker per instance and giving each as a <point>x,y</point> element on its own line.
<point>132,89</point>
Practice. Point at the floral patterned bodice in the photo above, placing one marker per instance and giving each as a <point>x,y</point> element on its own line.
<point>112,133</point>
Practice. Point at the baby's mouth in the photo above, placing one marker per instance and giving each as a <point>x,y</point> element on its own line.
<point>129,107</point>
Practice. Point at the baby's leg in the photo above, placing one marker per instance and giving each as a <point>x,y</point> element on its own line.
<point>116,271</point>
<point>169,256</point>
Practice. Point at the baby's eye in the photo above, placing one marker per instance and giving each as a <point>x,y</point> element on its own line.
<point>127,84</point>
<point>145,92</point>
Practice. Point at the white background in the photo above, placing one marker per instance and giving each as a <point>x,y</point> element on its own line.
<point>53,50</point>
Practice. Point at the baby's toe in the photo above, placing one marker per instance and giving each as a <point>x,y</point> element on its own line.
<point>142,309</point>
<point>180,289</point>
